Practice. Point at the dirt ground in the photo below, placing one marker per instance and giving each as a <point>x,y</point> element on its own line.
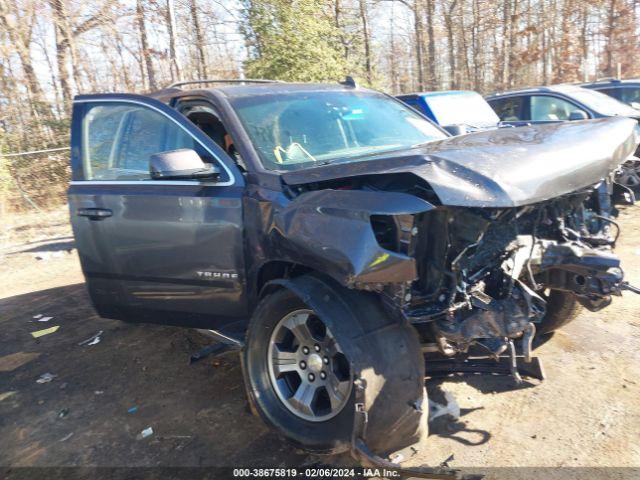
<point>585,414</point>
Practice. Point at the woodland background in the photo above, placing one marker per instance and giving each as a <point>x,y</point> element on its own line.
<point>51,50</point>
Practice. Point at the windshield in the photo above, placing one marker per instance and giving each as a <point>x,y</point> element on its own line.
<point>300,129</point>
<point>602,103</point>
<point>462,108</point>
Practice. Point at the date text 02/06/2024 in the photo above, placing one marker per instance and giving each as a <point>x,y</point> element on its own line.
<point>315,472</point>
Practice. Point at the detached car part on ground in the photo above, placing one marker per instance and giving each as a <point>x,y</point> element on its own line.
<point>560,103</point>
<point>351,232</point>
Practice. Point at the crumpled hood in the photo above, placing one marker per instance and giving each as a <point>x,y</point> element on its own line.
<point>500,168</point>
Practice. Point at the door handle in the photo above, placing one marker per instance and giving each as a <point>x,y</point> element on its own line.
<point>94,213</point>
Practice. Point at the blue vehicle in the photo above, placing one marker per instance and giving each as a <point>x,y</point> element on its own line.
<point>561,103</point>
<point>626,91</point>
<point>457,111</point>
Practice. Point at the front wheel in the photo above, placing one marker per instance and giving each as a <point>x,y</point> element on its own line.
<point>629,175</point>
<point>562,308</point>
<point>301,357</point>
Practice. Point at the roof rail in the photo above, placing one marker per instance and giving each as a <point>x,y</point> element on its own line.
<point>221,80</point>
<point>606,79</point>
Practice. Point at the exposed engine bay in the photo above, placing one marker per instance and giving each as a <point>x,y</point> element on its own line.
<point>485,274</point>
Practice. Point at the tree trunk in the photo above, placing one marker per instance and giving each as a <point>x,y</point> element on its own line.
<point>176,74</point>
<point>419,42</point>
<point>475,35</point>
<point>63,41</point>
<point>545,46</point>
<point>393,61</point>
<point>448,21</point>
<point>337,15</point>
<point>611,25</point>
<point>202,62</point>
<point>584,44</point>
<point>431,46</point>
<point>513,39</point>
<point>364,16</point>
<point>505,43</point>
<point>144,44</point>
<point>20,37</point>
<point>464,57</point>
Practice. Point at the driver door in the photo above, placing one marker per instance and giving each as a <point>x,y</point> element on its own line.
<point>161,251</point>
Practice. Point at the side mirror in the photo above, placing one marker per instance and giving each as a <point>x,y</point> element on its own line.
<point>578,115</point>
<point>182,163</point>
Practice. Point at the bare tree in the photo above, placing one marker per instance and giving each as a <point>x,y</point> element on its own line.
<point>66,35</point>
<point>448,20</point>
<point>201,63</point>
<point>145,54</point>
<point>176,70</point>
<point>364,15</point>
<point>18,25</point>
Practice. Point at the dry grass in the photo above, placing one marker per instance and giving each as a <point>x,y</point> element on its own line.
<point>33,226</point>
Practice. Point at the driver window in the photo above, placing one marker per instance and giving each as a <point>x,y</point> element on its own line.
<point>545,108</point>
<point>119,138</point>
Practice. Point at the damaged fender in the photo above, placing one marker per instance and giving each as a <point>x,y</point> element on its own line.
<point>331,232</point>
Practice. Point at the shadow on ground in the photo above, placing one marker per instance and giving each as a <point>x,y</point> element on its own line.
<point>59,244</point>
<point>199,413</point>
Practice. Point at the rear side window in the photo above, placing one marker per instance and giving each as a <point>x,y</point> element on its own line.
<point>545,108</point>
<point>508,109</point>
<point>119,138</point>
<point>630,95</point>
<point>607,91</point>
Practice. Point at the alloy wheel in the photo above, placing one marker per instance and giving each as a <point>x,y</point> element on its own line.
<point>309,372</point>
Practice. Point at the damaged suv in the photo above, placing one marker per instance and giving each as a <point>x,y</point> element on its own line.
<point>334,234</point>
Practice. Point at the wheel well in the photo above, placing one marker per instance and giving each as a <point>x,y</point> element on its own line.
<point>274,270</point>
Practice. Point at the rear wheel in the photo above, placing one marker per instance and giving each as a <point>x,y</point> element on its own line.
<point>562,308</point>
<point>301,358</point>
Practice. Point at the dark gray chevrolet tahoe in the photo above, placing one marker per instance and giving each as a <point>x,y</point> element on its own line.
<point>336,234</point>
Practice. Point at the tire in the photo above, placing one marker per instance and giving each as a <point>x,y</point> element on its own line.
<point>380,350</point>
<point>562,308</point>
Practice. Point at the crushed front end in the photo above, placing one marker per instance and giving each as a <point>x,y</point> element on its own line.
<point>485,274</point>
<point>471,239</point>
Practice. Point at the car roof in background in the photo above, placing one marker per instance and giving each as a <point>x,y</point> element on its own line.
<point>443,93</point>
<point>610,82</point>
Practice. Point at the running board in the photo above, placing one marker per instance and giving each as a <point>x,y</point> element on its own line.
<point>221,343</point>
<point>437,367</point>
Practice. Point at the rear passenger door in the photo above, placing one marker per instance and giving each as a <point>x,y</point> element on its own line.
<point>158,251</point>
